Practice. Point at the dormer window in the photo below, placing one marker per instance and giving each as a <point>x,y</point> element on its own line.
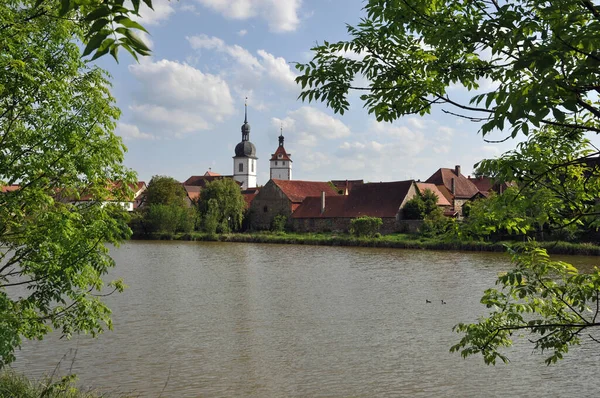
<point>279,156</point>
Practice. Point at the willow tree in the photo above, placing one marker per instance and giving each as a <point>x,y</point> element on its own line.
<point>57,144</point>
<point>542,59</point>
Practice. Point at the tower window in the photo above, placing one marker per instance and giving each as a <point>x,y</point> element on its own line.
<point>241,167</point>
<point>252,165</point>
<point>284,162</point>
<point>275,163</point>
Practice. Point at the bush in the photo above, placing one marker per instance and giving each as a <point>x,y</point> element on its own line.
<point>365,226</point>
<point>279,222</point>
<point>168,219</point>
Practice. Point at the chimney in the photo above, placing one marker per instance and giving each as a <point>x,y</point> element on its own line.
<point>322,202</point>
<point>457,169</point>
<point>453,184</point>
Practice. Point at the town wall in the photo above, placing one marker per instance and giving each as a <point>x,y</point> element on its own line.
<point>390,225</point>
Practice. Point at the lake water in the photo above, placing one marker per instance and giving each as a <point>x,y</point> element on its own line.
<point>258,320</point>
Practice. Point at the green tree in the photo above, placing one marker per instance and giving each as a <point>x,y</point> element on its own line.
<point>165,208</point>
<point>554,187</point>
<point>542,56</point>
<point>56,132</point>
<point>222,200</point>
<point>543,60</point>
<point>163,190</point>
<point>421,205</point>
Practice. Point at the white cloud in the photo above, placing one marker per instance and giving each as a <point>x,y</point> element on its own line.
<point>313,121</point>
<point>242,32</point>
<point>132,132</point>
<point>281,15</point>
<point>162,11</point>
<point>178,98</point>
<point>248,69</point>
<point>278,69</point>
<point>416,123</point>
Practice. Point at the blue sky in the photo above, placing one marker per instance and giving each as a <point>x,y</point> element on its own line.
<point>182,108</point>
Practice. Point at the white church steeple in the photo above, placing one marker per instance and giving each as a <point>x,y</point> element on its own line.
<point>244,161</point>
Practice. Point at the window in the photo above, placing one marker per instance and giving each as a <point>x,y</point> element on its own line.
<point>252,164</point>
<point>275,163</point>
<point>280,156</point>
<point>265,209</point>
<point>284,162</point>
<point>241,167</point>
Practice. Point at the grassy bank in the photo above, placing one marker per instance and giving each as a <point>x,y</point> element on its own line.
<point>399,241</point>
<point>14,385</point>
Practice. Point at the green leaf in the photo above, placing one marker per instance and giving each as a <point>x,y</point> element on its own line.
<point>129,23</point>
<point>95,42</point>
<point>100,12</point>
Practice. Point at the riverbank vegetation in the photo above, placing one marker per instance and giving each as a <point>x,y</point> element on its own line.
<point>398,241</point>
<point>13,385</point>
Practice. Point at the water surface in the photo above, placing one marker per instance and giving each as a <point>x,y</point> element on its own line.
<point>225,319</point>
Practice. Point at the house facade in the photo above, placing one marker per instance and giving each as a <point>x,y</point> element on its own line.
<point>282,197</point>
<point>457,188</point>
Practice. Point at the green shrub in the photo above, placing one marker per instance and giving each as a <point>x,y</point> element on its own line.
<point>279,222</point>
<point>365,226</point>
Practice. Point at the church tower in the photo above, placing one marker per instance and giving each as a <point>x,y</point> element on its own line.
<point>281,164</point>
<point>244,161</point>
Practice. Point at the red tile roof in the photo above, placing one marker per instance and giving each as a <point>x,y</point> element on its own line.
<point>210,173</point>
<point>483,184</point>
<point>383,199</point>
<point>10,188</point>
<point>296,190</point>
<point>193,191</point>
<point>464,189</point>
<point>442,200</point>
<point>280,151</point>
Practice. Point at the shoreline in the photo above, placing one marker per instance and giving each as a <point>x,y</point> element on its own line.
<point>395,241</point>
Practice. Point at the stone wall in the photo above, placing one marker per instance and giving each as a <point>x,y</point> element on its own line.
<point>390,225</point>
<point>268,203</point>
<point>458,204</point>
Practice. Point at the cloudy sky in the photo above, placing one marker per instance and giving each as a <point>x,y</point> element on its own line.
<point>183,107</point>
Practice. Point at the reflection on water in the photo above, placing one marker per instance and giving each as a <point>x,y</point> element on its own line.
<point>216,319</point>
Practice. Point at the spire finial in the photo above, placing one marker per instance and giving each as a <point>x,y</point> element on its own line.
<point>246,110</point>
<point>281,134</point>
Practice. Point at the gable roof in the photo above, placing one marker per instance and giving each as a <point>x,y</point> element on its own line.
<point>296,190</point>
<point>281,151</point>
<point>464,189</point>
<point>381,199</point>
<point>210,173</point>
<point>193,191</point>
<point>442,200</point>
